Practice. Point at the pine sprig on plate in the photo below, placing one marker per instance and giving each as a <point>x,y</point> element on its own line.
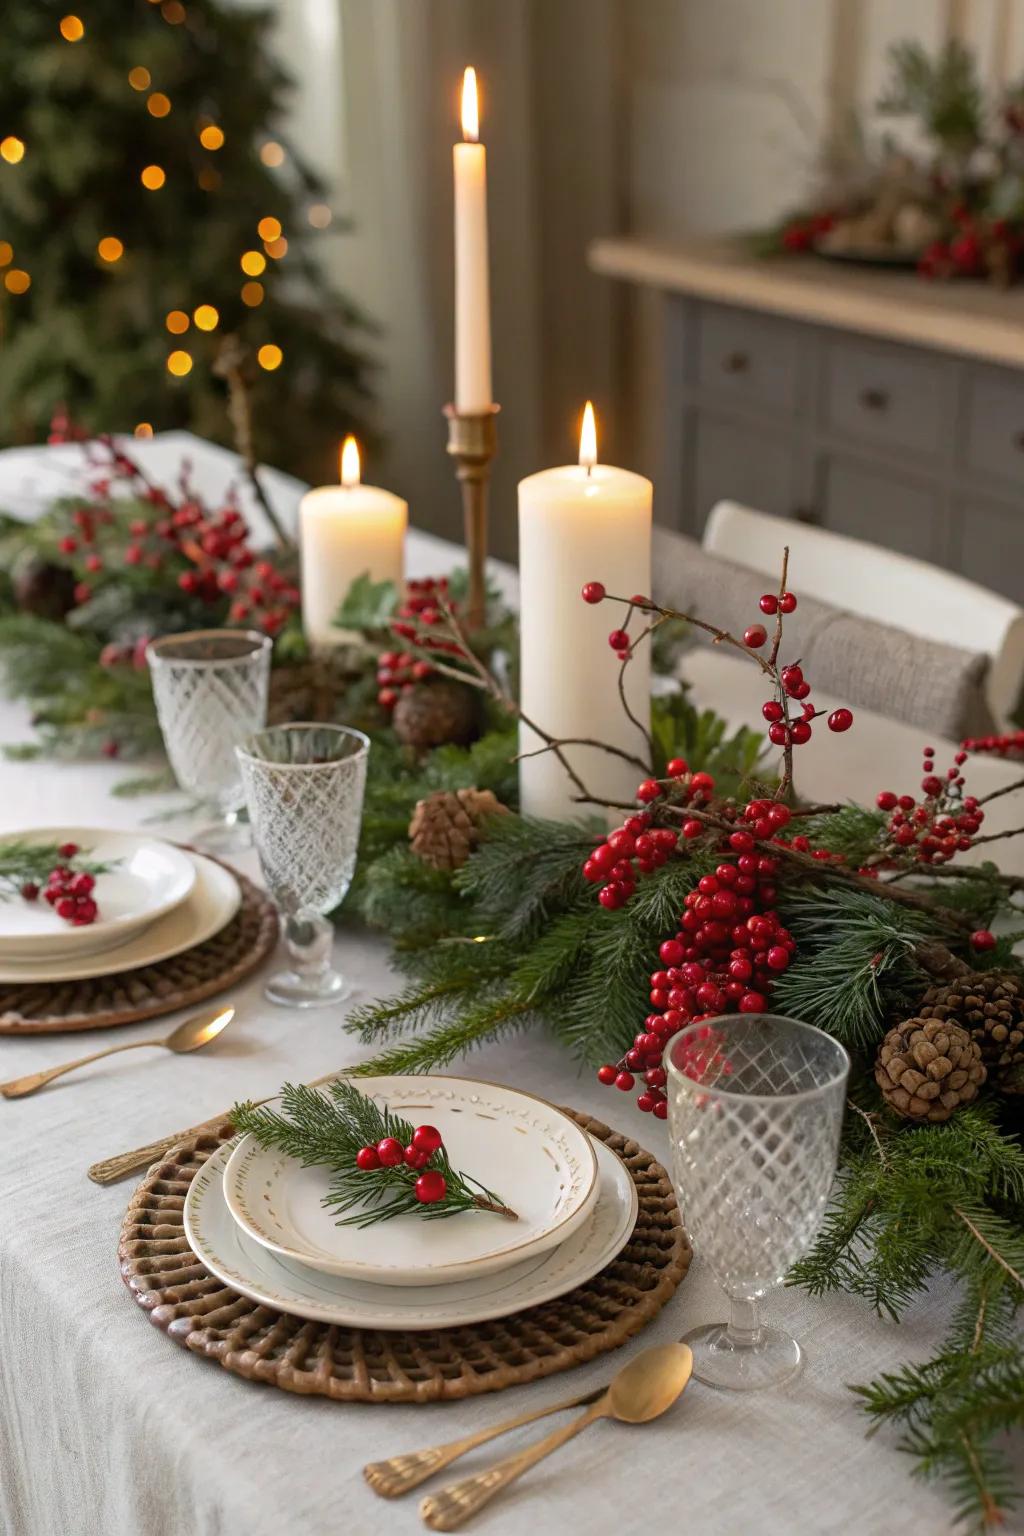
<point>329,1130</point>
<point>23,863</point>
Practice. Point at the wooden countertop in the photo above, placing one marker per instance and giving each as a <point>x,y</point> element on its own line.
<point>971,319</point>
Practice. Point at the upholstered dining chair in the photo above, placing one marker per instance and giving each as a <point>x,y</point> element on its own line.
<point>878,584</point>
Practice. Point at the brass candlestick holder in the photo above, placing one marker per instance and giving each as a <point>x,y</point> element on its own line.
<point>472,443</point>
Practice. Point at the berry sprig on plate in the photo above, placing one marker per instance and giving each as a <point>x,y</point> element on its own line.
<point>382,1166</point>
<point>60,874</point>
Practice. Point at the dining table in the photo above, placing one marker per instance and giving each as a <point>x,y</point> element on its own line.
<point>108,1428</point>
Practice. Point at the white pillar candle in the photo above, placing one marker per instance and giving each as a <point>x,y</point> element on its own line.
<point>583,522</point>
<point>472,286</point>
<point>346,531</point>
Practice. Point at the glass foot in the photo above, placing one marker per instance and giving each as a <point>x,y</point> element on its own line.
<point>223,837</point>
<point>767,1360</point>
<point>292,990</point>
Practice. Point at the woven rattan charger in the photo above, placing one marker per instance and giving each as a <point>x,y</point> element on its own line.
<point>198,1311</point>
<point>125,997</point>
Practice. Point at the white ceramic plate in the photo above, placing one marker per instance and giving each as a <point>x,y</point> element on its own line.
<point>522,1148</point>
<point>212,903</point>
<point>149,878</point>
<point>231,1255</point>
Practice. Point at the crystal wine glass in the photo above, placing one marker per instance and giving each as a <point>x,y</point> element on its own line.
<point>304,787</point>
<point>755,1107</point>
<point>210,688</point>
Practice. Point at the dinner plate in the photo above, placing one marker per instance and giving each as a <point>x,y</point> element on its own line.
<point>147,878</point>
<point>230,1254</point>
<point>532,1155</point>
<point>214,899</point>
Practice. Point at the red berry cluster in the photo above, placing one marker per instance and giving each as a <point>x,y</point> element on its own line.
<point>637,847</point>
<point>800,234</point>
<point>430,1187</point>
<point>976,247</point>
<point>1011,745</point>
<point>938,826</point>
<point>729,948</point>
<point>397,672</point>
<point>206,551</point>
<point>68,892</point>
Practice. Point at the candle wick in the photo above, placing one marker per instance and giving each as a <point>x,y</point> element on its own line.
<point>589,468</point>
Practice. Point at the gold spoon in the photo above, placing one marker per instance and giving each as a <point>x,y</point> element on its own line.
<point>641,1391</point>
<point>192,1035</point>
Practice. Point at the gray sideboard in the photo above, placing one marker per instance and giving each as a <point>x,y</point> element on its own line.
<point>919,448</point>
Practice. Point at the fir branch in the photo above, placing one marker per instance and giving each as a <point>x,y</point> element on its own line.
<point>487,1020</point>
<point>328,1130</point>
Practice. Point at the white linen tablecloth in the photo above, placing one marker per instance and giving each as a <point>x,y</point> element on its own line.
<point>109,1429</point>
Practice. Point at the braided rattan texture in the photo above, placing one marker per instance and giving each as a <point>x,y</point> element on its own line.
<point>352,1365</point>
<point>128,996</point>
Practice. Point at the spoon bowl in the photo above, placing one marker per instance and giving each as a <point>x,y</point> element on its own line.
<point>650,1384</point>
<point>194,1033</point>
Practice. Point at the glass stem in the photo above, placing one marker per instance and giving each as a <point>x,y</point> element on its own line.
<point>744,1330</point>
<point>309,939</point>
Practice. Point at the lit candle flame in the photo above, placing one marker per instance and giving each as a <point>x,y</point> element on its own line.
<point>588,437</point>
<point>350,461</point>
<point>470,107</point>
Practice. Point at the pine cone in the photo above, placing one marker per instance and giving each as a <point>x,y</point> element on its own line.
<point>434,714</point>
<point>445,827</point>
<point>43,588</point>
<point>990,1006</point>
<point>927,1068</point>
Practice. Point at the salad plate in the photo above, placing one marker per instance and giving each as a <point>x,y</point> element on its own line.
<point>143,878</point>
<point>531,1155</point>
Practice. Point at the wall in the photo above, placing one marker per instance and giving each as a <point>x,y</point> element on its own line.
<point>727,105</point>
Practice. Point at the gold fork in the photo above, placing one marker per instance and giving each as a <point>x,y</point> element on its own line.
<point>400,1474</point>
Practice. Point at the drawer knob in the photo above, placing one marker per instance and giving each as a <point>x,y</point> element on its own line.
<point>736,362</point>
<point>873,399</point>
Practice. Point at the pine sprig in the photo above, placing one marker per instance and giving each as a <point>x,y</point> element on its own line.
<point>328,1130</point>
<point>21,862</point>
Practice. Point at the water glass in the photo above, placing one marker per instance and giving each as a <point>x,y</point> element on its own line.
<point>755,1107</point>
<point>304,788</point>
<point>210,688</point>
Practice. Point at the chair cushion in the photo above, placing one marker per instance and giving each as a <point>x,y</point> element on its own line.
<point>939,688</point>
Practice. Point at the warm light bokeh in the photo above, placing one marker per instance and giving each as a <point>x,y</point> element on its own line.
<point>319,215</point>
<point>206,317</point>
<point>17,281</point>
<point>12,149</point>
<point>140,78</point>
<point>252,294</point>
<point>72,29</point>
<point>270,357</point>
<point>269,228</point>
<point>153,177</point>
<point>271,153</point>
<point>179,363</point>
<point>253,263</point>
<point>144,429</point>
<point>110,248</point>
<point>177,322</point>
<point>158,105</point>
<point>211,137</point>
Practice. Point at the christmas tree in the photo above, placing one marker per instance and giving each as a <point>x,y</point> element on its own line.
<point>150,208</point>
